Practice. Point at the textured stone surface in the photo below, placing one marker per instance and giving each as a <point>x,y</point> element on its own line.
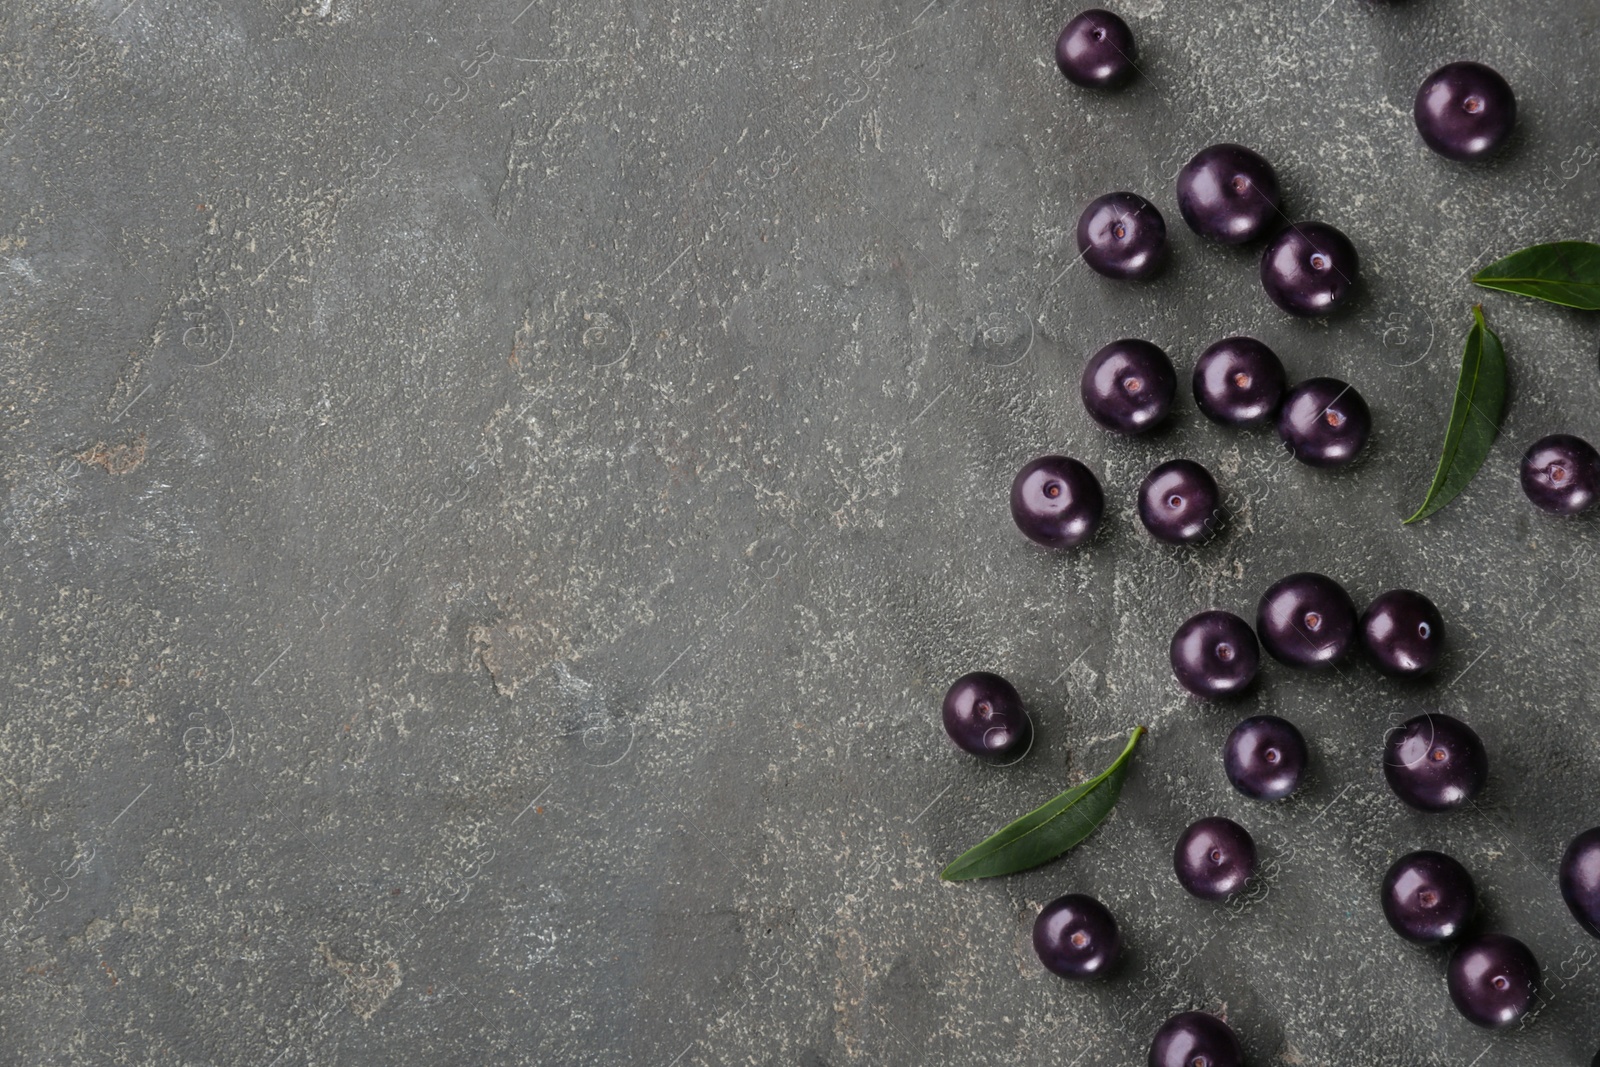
<point>494,493</point>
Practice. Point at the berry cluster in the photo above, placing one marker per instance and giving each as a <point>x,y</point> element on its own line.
<point>1226,193</point>
<point>1128,388</point>
<point>1230,194</point>
<point>1433,762</point>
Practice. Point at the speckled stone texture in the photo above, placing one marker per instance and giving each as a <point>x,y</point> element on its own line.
<point>494,493</point>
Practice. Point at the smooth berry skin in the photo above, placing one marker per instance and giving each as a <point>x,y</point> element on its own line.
<point>1428,897</point>
<point>1580,879</point>
<point>983,715</point>
<point>1309,269</point>
<point>1435,762</point>
<point>1076,937</point>
<point>1265,757</point>
<point>1403,633</point>
<point>1561,474</point>
<point>1307,621</point>
<point>1128,386</point>
<point>1179,503</point>
<point>1195,1039</point>
<point>1057,502</point>
<point>1096,50</point>
<point>1123,236</point>
<point>1465,111</point>
<point>1228,193</point>
<point>1324,423</point>
<point>1214,654</point>
<point>1214,859</point>
<point>1493,980</point>
<point>1239,382</point>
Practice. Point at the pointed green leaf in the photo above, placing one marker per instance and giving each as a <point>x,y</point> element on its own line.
<point>1474,416</point>
<point>1047,832</point>
<point>1565,273</point>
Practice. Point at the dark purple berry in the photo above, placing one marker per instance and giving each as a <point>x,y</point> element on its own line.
<point>984,716</point>
<point>1307,621</point>
<point>1228,193</point>
<point>1265,757</point>
<point>1096,51</point>
<point>1122,235</point>
<point>1465,111</point>
<point>1324,422</point>
<point>1309,269</point>
<point>1128,386</point>
<point>1214,654</point>
<point>1561,474</point>
<point>1076,937</point>
<point>1493,980</point>
<point>1057,501</point>
<point>1435,762</point>
<point>1428,897</point>
<point>1403,633</point>
<point>1195,1039</point>
<point>1239,382</point>
<point>1215,858</point>
<point>1179,503</point>
<point>1580,879</point>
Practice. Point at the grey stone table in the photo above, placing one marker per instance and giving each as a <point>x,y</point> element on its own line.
<point>494,493</point>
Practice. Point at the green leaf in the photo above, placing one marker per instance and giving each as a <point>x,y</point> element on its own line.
<point>1565,273</point>
<point>1474,416</point>
<point>1045,833</point>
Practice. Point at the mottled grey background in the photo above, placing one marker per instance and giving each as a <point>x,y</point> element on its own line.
<point>494,495</point>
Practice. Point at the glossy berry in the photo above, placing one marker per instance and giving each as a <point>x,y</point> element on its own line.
<point>1309,269</point>
<point>1195,1039</point>
<point>983,715</point>
<point>1229,194</point>
<point>1580,879</point>
<point>1128,386</point>
<point>1057,502</point>
<point>1428,897</point>
<point>1214,654</point>
<point>1179,503</point>
<point>1435,762</point>
<point>1403,633</point>
<point>1493,980</point>
<point>1239,382</point>
<point>1096,51</point>
<point>1076,937</point>
<point>1561,474</point>
<point>1324,422</point>
<point>1122,235</point>
<point>1215,858</point>
<point>1465,111</point>
<point>1307,621</point>
<point>1265,757</point>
